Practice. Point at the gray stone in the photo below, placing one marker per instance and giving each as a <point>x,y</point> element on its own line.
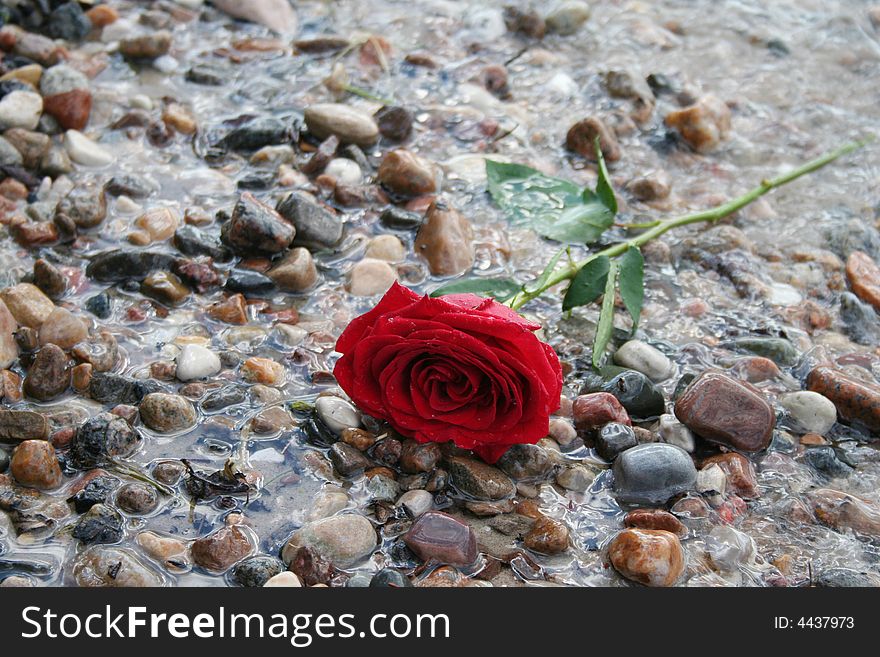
<point>344,540</point>
<point>653,473</point>
<point>316,227</point>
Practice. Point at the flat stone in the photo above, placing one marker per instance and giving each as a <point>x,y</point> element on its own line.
<point>102,565</point>
<point>652,473</point>
<point>350,125</point>
<point>652,557</point>
<point>857,401</point>
<point>166,413</point>
<point>344,539</point>
<point>22,425</point>
<point>127,264</point>
<point>218,551</point>
<point>27,304</point>
<point>479,480</point>
<point>445,240</point>
<point>436,536</point>
<point>726,411</point>
<point>316,226</point>
<point>642,357</point>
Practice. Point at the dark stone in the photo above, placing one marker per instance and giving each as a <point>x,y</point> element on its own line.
<point>49,279</point>
<point>125,184</point>
<point>226,396</point>
<point>387,451</point>
<point>207,75</point>
<point>249,282</point>
<point>95,492</point>
<point>254,227</point>
<point>137,498</point>
<point>860,321</point>
<point>779,350</point>
<point>844,578</point>
<point>105,436</point>
<point>400,219</point>
<point>637,394</point>
<point>653,473</point>
<point>69,22</point>
<point>100,524</point>
<point>613,439</point>
<point>257,133</point>
<point>824,459</point>
<point>316,227</point>
<point>526,462</point>
<point>436,536</point>
<point>419,457</point>
<point>478,480</point>
<point>390,578</point>
<point>311,567</point>
<point>727,411</point>
<point>109,388</point>
<point>201,276</point>
<point>123,264</point>
<point>347,460</point>
<point>256,180</point>
<point>395,123</point>
<point>255,571</point>
<point>4,460</point>
<point>99,305</point>
<point>49,374</point>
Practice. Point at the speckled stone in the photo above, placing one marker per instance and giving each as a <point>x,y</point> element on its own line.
<point>856,401</point>
<point>726,411</point>
<point>652,557</point>
<point>440,537</point>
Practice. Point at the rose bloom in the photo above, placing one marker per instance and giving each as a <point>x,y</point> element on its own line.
<point>458,367</point>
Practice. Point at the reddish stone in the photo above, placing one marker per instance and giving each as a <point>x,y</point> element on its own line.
<point>34,233</point>
<point>547,536</point>
<point>863,275</point>
<point>727,411</point>
<point>598,409</point>
<point>842,511</point>
<point>102,15</point>
<point>654,519</point>
<point>756,369</point>
<point>440,537</point>
<point>232,311</point>
<point>652,557</point>
<point>34,464</point>
<point>740,473</point>
<point>71,108</point>
<point>856,401</point>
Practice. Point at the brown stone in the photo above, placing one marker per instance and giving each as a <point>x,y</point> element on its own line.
<point>232,310</point>
<point>727,411</point>
<point>34,464</point>
<point>49,375</point>
<point>71,109</point>
<point>62,328</point>
<point>159,223</point>
<point>22,425</point>
<point>702,125</point>
<point>445,240</point>
<point>27,303</point>
<point>842,512</point>
<point>296,271</point>
<point>10,386</point>
<point>479,480</point>
<point>740,473</point>
<point>262,370</point>
<point>165,287</point>
<point>358,438</point>
<point>33,233</point>
<point>863,275</point>
<point>49,279</point>
<point>218,551</point>
<point>406,174</point>
<point>582,135</point>
<point>419,457</point>
<point>547,536</point>
<point>102,15</point>
<point>654,519</point>
<point>598,409</point>
<point>857,401</point>
<point>8,346</point>
<point>440,537</point>
<point>652,557</point>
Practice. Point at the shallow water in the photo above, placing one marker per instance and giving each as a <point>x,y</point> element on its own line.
<point>787,107</point>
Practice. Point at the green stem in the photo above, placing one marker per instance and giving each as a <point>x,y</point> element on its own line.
<point>713,214</point>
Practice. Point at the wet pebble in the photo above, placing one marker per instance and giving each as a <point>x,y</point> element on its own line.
<point>49,375</point>
<point>20,109</point>
<point>651,557</point>
<point>344,539</point>
<point>675,433</point>
<point>856,401</point>
<point>84,151</point>
<point>166,413</point>
<point>219,550</point>
<point>526,462</point>
<point>137,498</point>
<point>62,328</point>
<point>445,240</point>
<point>479,480</point>
<point>102,437</point>
<point>263,370</point>
<point>296,272</point>
<point>347,123</point>
<point>568,17</point>
<point>416,502</point>
<point>100,524</point>
<point>34,464</point>
<point>196,362</point>
<point>27,304</point>
<point>337,414</point>
<point>390,578</point>
<point>257,570</point>
<point>370,277</point>
<point>642,357</point>
<point>316,226</point>
<point>577,478</point>
<point>440,537</point>
<point>547,536</point>
<point>17,425</point>
<point>810,411</point>
<point>255,227</point>
<point>702,125</point>
<point>347,460</point>
<point>581,138</point>
<point>652,474</point>
<point>111,566</point>
<point>654,519</point>
<point>407,174</point>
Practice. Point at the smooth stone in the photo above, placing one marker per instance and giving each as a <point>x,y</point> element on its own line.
<point>779,350</point>
<point>863,275</point>
<point>296,272</point>
<point>347,460</point>
<point>316,226</point>
<point>257,133</point>
<point>345,171</point>
<point>416,502</point>
<point>526,462</point>
<point>191,241</point>
<point>652,557</point>
<point>577,478</point>
<point>637,394</point>
<point>100,566</point>
<point>218,551</point>
<point>407,174</point>
<point>150,46</point>
<point>390,578</point>
<point>166,413</point>
<point>675,433</point>
<point>386,247</point>
<point>257,570</point>
<point>614,438</point>
<point>726,411</point>
<point>126,264</point>
<point>652,474</point>
<point>262,370</point>
<point>842,512</point>
<point>250,283</point>
<point>436,536</point>
<point>655,519</point>
<point>159,223</point>
<point>344,540</point>
<point>581,138</point>
<point>327,503</point>
<point>171,552</point>
<point>165,287</point>
<point>812,412</point>
<point>479,480</point>
<point>84,151</point>
<point>445,240</point>
<point>395,123</point>
<point>286,579</point>
<point>337,414</point>
<point>62,328</point>
<point>857,401</point>
<point>196,362</point>
<point>255,227</point>
<point>85,205</point>
<point>711,482</point>
<point>27,304</point>
<point>739,471</point>
<point>642,357</point>
<point>547,536</point>
<point>100,438</point>
<point>101,352</point>
<point>418,457</point>
<point>8,345</point>
<point>370,277</point>
<point>9,155</point>
<point>349,124</point>
<point>17,425</point>
<point>20,109</point>
<point>34,464</point>
<point>49,279</point>
<point>137,498</point>
<point>49,374</point>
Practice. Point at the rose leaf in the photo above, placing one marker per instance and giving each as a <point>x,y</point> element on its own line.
<point>538,284</point>
<point>606,317</point>
<point>501,289</point>
<point>587,284</point>
<point>604,190</point>
<point>632,282</point>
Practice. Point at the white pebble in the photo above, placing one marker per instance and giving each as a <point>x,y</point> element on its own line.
<point>347,172</point>
<point>20,109</point>
<point>711,481</point>
<point>285,579</point>
<point>642,357</point>
<point>729,548</point>
<point>196,362</point>
<point>370,277</point>
<point>416,502</point>
<point>166,64</point>
<point>141,101</point>
<point>337,414</point>
<point>812,412</point>
<point>675,433</point>
<point>83,150</point>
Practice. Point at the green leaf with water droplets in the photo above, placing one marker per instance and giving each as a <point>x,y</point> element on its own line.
<point>606,317</point>
<point>604,190</point>
<point>632,282</point>
<point>587,284</point>
<point>553,207</point>
<point>501,289</point>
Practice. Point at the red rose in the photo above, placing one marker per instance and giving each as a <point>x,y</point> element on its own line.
<point>458,367</point>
